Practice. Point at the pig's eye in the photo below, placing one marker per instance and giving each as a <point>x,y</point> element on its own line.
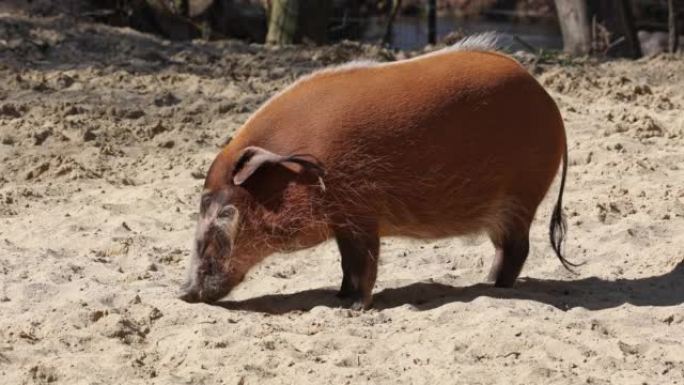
<point>227,212</point>
<point>204,203</point>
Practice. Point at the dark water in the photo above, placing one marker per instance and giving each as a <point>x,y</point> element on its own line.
<point>411,32</point>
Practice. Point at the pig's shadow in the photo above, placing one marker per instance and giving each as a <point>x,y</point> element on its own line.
<point>590,293</point>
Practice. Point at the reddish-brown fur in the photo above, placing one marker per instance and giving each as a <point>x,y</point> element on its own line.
<point>450,143</point>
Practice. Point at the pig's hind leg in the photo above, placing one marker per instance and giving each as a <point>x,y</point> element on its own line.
<point>359,249</point>
<point>512,248</point>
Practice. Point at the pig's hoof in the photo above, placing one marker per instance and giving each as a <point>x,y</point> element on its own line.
<point>359,304</point>
<point>354,299</point>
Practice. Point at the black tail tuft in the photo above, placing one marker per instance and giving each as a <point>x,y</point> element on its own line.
<point>558,226</point>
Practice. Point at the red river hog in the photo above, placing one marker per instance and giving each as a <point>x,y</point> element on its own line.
<point>455,142</point>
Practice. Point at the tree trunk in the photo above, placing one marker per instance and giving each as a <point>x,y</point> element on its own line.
<point>314,20</point>
<point>673,41</point>
<point>294,21</point>
<point>394,9</point>
<point>626,21</point>
<point>574,23</point>
<point>283,22</point>
<point>432,21</point>
<point>183,8</point>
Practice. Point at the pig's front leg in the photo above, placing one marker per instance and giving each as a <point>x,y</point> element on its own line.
<point>360,248</point>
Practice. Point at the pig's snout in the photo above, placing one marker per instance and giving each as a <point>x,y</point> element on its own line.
<point>213,289</point>
<point>189,295</point>
<point>208,285</point>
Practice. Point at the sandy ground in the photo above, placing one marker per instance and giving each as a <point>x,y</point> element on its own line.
<point>104,138</point>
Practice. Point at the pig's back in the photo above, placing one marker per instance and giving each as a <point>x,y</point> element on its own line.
<point>434,145</point>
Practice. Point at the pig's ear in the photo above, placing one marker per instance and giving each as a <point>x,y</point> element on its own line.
<point>254,157</point>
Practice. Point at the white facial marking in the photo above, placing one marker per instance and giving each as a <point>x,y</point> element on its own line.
<point>214,215</point>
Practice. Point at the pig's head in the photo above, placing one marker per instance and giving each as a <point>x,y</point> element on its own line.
<point>249,209</point>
